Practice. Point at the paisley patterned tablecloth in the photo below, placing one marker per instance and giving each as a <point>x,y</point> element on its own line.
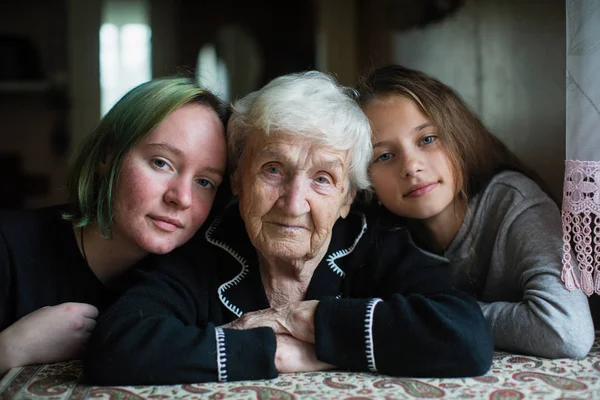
<point>511,377</point>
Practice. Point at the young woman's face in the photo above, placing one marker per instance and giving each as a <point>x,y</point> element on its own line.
<point>410,170</point>
<point>169,179</point>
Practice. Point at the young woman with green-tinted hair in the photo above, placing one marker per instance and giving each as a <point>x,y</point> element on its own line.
<point>142,183</point>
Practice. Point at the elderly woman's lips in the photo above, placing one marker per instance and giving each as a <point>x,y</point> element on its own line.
<point>288,227</point>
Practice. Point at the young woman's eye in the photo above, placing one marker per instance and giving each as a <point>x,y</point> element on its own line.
<point>205,183</point>
<point>160,163</point>
<point>428,139</point>
<point>383,157</point>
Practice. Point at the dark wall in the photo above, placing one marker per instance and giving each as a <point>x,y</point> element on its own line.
<point>33,102</point>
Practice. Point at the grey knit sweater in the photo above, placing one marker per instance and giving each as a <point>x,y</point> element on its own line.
<point>508,254</point>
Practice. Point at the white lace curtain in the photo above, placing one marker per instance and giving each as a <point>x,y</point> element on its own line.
<point>581,188</point>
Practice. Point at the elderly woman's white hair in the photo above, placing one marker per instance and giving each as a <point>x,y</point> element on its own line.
<point>310,104</point>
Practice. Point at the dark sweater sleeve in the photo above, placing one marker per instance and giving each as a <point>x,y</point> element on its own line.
<point>159,332</point>
<point>407,320</point>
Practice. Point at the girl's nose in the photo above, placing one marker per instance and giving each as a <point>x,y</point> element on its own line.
<point>411,165</point>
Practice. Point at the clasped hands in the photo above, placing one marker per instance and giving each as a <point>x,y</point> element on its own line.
<point>294,329</point>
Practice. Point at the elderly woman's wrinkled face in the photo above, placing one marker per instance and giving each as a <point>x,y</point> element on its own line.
<point>292,191</point>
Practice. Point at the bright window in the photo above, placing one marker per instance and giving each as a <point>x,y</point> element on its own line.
<point>125,49</point>
<point>211,72</point>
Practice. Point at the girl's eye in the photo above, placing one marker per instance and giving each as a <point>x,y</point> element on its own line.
<point>205,183</point>
<point>384,157</point>
<point>428,139</point>
<point>159,163</point>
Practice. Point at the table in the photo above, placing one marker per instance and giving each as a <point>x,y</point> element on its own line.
<point>511,377</point>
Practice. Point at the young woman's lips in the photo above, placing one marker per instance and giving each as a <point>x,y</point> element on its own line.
<point>166,224</point>
<point>418,191</point>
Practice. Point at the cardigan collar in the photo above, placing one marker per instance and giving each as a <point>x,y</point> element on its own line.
<point>240,287</point>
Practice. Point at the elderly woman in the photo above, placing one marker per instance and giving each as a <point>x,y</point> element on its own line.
<point>289,279</point>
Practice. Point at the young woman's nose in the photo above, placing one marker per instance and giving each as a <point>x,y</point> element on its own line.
<point>294,199</point>
<point>179,193</point>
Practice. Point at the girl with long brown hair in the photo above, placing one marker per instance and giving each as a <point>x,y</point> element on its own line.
<point>465,197</point>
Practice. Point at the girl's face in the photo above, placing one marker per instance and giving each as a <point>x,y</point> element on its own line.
<point>168,181</point>
<point>410,170</point>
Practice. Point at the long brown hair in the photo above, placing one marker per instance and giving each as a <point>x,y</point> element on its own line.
<point>476,155</point>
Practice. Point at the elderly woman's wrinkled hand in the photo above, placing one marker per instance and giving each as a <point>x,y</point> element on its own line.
<point>294,319</point>
<point>294,355</point>
<point>268,317</point>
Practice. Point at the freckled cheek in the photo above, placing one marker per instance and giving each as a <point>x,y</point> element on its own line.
<point>135,191</point>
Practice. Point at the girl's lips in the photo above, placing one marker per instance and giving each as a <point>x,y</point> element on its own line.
<point>417,191</point>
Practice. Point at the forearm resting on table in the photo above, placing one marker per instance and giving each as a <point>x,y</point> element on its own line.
<point>6,362</point>
<point>47,335</point>
<point>557,335</point>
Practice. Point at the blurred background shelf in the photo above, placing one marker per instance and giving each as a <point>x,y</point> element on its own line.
<point>30,86</point>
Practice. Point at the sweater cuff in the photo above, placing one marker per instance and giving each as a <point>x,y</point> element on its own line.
<point>344,333</point>
<point>245,354</point>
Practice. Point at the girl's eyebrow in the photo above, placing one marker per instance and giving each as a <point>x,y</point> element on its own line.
<point>416,129</point>
<point>423,126</point>
<point>381,144</point>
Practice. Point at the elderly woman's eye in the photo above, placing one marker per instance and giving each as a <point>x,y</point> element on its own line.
<point>272,170</point>
<point>323,180</point>
<point>383,157</point>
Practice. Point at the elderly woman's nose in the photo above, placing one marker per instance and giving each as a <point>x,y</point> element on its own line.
<point>294,199</point>
<point>179,193</point>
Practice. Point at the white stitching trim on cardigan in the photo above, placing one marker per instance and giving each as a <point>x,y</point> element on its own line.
<point>369,334</point>
<point>234,309</point>
<point>342,253</point>
<point>221,355</point>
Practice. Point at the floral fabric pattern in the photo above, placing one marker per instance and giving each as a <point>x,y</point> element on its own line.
<point>511,377</point>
